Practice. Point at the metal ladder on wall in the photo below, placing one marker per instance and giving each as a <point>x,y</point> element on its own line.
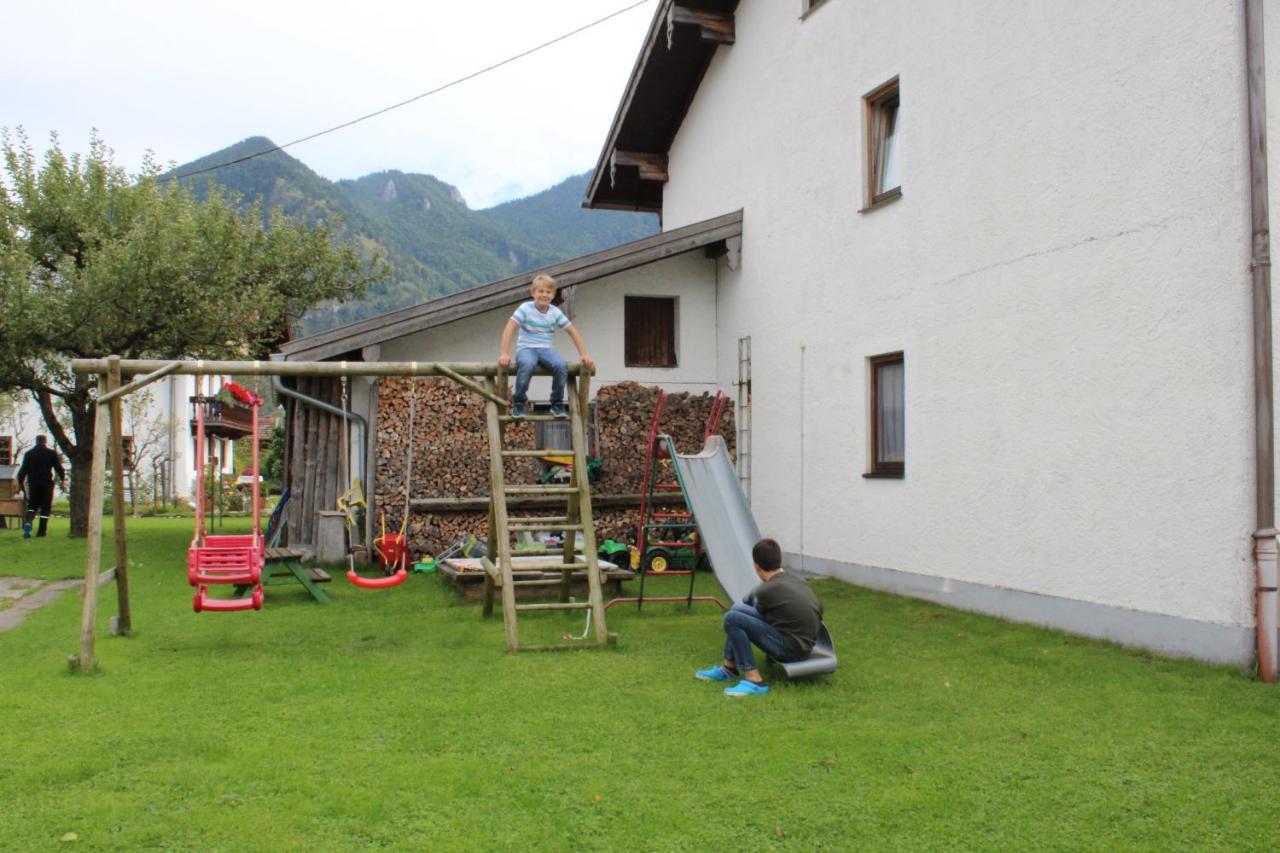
<point>577,519</point>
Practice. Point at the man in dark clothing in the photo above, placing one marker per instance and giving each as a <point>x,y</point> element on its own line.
<point>35,477</point>
<point>781,616</point>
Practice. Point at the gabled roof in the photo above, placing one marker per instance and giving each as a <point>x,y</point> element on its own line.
<point>683,37</point>
<point>580,270</point>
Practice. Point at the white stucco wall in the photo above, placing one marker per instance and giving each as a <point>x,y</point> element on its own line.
<point>1066,273</point>
<point>598,315</point>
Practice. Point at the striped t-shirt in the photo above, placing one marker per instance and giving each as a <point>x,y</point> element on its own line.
<point>536,327</point>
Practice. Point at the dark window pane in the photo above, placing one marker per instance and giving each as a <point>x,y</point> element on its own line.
<point>650,331</point>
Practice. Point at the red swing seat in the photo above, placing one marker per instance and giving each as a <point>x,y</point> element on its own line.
<point>232,560</point>
<point>392,551</point>
<point>377,583</point>
<point>202,601</point>
<point>235,559</point>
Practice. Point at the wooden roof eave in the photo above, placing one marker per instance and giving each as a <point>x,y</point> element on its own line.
<point>656,26</point>
<point>713,21</point>
<point>579,270</point>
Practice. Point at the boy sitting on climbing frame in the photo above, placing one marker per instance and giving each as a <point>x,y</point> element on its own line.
<point>537,320</point>
<point>781,616</point>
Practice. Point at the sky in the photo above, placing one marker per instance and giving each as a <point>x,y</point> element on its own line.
<point>185,79</point>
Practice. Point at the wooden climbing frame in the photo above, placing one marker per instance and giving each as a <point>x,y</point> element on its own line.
<point>487,380</point>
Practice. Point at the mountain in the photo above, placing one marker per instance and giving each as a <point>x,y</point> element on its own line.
<point>435,244</point>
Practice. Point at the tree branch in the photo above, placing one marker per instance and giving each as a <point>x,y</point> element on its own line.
<point>45,399</point>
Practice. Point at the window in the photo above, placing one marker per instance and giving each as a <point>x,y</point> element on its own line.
<point>6,450</point>
<point>650,331</point>
<point>888,408</point>
<point>884,143</point>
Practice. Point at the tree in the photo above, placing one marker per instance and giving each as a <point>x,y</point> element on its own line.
<point>94,261</point>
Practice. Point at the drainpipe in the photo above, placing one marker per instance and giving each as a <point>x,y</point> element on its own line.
<point>361,424</point>
<point>1264,537</point>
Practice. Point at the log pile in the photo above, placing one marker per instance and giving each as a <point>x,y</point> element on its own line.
<point>451,453</point>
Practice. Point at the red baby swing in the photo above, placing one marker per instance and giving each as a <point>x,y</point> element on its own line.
<point>227,560</point>
<point>392,549</point>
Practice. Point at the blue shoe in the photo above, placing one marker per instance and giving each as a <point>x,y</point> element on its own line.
<point>26,530</point>
<point>559,411</point>
<point>715,673</point>
<point>746,688</point>
<point>517,410</point>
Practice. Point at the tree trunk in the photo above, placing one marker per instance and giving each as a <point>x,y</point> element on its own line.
<point>80,456</point>
<point>81,464</point>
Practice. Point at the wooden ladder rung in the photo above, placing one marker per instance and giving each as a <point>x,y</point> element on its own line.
<point>507,419</point>
<point>530,519</point>
<point>531,528</point>
<point>540,490</point>
<point>557,605</point>
<point>531,453</point>
<point>542,582</point>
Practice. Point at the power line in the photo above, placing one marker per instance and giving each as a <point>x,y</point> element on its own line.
<point>403,103</point>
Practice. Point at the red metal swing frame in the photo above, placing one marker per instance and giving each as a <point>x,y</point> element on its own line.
<point>656,449</point>
<point>235,560</point>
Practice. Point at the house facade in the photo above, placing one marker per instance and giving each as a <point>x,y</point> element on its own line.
<point>995,279</point>
<point>159,435</point>
<point>980,279</point>
<point>647,311</point>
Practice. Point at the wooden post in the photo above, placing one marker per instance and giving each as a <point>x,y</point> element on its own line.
<point>579,405</point>
<point>491,541</point>
<point>124,620</point>
<point>491,549</point>
<point>497,492</point>
<point>93,545</point>
<point>572,517</point>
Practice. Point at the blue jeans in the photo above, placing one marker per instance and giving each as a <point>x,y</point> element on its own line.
<point>743,625</point>
<point>527,360</point>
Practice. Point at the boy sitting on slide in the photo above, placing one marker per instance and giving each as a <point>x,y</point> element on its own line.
<point>781,616</point>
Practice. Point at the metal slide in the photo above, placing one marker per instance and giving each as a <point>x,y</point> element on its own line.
<point>728,531</point>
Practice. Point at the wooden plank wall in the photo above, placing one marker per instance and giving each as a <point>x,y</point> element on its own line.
<point>315,475</point>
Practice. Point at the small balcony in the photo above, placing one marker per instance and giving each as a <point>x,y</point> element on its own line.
<point>224,420</point>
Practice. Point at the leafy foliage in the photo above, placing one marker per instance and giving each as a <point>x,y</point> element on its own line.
<point>96,261</point>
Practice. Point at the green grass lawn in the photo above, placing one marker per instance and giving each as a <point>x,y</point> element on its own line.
<point>396,719</point>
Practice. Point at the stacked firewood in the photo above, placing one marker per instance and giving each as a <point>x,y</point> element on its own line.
<point>623,414</point>
<point>451,453</point>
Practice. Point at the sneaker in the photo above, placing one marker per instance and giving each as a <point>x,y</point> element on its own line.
<point>26,530</point>
<point>517,410</point>
<point>715,673</point>
<point>559,411</point>
<point>746,688</point>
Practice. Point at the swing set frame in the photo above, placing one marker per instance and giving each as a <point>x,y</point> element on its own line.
<point>108,416</point>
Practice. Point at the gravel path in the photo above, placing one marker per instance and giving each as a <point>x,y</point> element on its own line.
<point>19,597</point>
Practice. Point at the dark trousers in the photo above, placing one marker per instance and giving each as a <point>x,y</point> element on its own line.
<point>39,503</point>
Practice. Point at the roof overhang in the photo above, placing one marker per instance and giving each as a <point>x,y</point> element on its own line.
<point>711,234</point>
<point>682,39</point>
